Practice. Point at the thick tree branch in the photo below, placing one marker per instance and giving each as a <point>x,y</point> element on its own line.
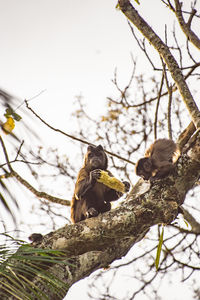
<point>97,242</point>
<point>37,193</point>
<point>165,53</point>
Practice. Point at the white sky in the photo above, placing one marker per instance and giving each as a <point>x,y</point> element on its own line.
<point>68,47</point>
<point>65,47</point>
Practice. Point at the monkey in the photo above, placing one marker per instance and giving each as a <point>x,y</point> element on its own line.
<point>158,161</point>
<point>91,197</point>
<point>35,237</point>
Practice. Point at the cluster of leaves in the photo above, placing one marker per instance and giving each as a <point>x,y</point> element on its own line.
<point>26,264</point>
<point>11,117</point>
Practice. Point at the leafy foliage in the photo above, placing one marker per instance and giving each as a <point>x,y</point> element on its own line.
<point>24,265</point>
<point>157,261</point>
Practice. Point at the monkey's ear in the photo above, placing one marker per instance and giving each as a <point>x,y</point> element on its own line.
<point>99,148</point>
<point>90,148</point>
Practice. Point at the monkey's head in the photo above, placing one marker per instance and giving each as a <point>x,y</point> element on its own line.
<point>95,158</point>
<point>144,168</point>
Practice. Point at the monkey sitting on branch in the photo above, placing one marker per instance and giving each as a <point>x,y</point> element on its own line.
<point>158,161</point>
<point>94,188</point>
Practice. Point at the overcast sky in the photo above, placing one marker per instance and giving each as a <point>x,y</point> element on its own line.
<point>68,48</point>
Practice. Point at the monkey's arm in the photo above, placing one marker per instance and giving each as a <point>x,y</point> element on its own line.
<point>85,183</point>
<point>112,195</point>
<point>115,188</point>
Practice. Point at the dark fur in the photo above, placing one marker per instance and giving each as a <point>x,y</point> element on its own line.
<point>91,197</point>
<point>158,161</point>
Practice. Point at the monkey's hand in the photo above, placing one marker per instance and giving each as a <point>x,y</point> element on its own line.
<point>91,212</point>
<point>126,186</point>
<point>95,175</point>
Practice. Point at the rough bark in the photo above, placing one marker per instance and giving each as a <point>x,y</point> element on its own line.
<point>186,27</point>
<point>176,73</point>
<point>97,242</point>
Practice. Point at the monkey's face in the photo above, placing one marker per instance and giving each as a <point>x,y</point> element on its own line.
<point>95,158</point>
<point>144,168</point>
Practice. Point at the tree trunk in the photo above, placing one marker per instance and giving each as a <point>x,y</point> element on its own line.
<point>97,242</point>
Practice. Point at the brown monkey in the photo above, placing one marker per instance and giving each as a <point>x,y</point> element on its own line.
<point>35,237</point>
<point>158,161</point>
<point>91,197</point>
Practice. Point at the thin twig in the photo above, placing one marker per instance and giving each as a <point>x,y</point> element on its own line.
<point>28,185</point>
<point>73,137</point>
<point>169,113</point>
<point>157,107</point>
<point>170,91</point>
<point>19,150</point>
<point>28,100</point>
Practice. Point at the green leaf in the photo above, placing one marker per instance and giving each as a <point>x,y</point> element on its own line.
<point>18,270</point>
<point>16,116</point>
<point>10,112</point>
<point>157,261</point>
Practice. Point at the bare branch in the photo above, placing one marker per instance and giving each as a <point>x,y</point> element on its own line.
<point>170,91</point>
<point>157,107</point>
<point>28,185</point>
<point>73,137</point>
<point>186,27</point>
<point>165,53</point>
<point>96,242</point>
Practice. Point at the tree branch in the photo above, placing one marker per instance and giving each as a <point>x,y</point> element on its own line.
<point>73,137</point>
<point>97,242</point>
<point>186,27</point>
<point>165,53</point>
<point>43,195</point>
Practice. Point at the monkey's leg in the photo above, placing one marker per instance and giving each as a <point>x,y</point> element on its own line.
<point>106,206</point>
<point>92,212</point>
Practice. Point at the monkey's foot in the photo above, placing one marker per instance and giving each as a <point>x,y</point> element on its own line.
<point>92,212</point>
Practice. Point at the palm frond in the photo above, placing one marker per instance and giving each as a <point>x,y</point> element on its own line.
<point>20,268</point>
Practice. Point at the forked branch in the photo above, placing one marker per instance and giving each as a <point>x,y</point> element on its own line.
<point>165,53</point>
